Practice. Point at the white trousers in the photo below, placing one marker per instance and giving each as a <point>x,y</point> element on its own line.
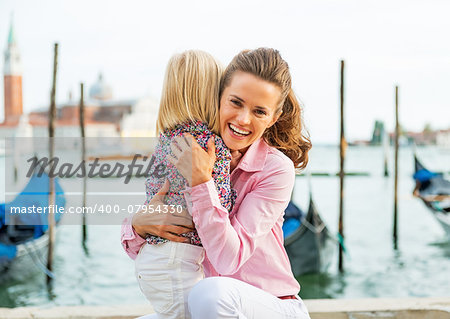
<point>166,274</point>
<point>223,297</point>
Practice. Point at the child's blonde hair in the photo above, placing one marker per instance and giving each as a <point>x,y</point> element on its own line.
<point>190,91</point>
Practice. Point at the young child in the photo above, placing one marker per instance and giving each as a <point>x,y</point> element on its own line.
<point>166,270</point>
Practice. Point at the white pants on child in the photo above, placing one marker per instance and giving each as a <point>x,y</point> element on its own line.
<point>166,274</point>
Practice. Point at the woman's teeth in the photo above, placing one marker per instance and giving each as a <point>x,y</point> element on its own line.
<point>237,131</point>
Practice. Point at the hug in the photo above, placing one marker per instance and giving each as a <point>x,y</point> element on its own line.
<point>231,141</point>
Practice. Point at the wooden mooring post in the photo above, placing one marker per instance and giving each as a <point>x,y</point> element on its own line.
<point>342,148</point>
<point>386,170</point>
<point>51,134</point>
<point>83,160</point>
<point>397,134</point>
<point>386,144</point>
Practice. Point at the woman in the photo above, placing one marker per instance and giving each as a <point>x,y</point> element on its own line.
<point>260,121</point>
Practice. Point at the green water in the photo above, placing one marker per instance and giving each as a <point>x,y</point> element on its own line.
<point>419,267</point>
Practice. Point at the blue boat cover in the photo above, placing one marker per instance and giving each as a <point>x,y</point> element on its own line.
<point>7,252</point>
<point>290,225</point>
<point>423,175</point>
<point>293,216</point>
<point>35,193</point>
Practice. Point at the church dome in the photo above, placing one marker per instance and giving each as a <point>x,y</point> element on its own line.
<point>100,90</point>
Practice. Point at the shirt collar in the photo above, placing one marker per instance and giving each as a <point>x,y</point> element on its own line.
<point>255,157</point>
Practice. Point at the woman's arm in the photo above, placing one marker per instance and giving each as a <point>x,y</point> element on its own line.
<point>229,244</point>
<point>130,240</point>
<point>158,223</point>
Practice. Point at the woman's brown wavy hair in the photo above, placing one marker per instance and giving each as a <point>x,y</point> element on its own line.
<point>288,133</point>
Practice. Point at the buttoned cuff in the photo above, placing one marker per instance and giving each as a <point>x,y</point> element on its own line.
<point>205,195</point>
<point>204,199</point>
<point>128,232</point>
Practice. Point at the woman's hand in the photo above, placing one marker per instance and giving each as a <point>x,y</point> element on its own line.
<point>191,160</point>
<point>166,225</point>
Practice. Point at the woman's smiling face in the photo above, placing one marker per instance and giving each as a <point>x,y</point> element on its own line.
<point>248,107</point>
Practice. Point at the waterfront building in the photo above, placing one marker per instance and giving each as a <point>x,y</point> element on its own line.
<point>378,133</point>
<point>104,115</point>
<point>443,138</point>
<point>12,80</point>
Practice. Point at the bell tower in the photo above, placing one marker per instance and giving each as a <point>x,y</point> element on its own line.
<point>12,79</point>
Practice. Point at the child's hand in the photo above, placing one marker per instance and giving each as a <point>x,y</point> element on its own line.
<point>191,160</point>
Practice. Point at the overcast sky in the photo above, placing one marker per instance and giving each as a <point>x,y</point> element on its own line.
<point>383,43</point>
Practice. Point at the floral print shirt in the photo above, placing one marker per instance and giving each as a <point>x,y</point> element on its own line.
<point>175,196</point>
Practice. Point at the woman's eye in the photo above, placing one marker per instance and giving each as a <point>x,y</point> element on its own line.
<point>260,112</point>
<point>236,102</point>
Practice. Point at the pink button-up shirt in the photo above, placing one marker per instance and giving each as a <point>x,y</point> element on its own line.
<point>248,243</point>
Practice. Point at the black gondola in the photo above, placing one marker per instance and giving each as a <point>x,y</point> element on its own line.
<point>308,243</point>
<point>434,191</point>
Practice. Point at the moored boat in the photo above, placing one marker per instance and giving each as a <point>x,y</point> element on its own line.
<point>23,236</point>
<point>307,240</point>
<point>434,191</point>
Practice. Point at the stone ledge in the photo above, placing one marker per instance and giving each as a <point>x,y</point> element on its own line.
<point>386,308</point>
<point>77,312</point>
<point>383,308</point>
